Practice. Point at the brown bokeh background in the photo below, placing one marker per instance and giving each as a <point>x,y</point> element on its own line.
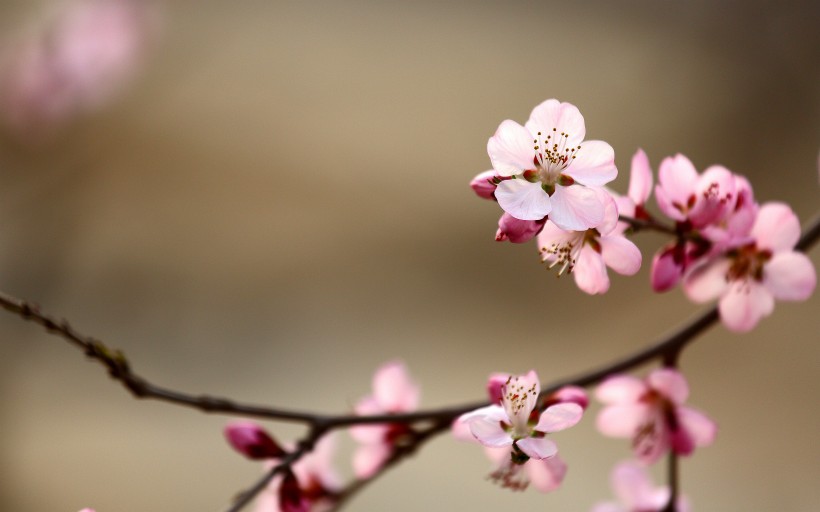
<point>279,204</point>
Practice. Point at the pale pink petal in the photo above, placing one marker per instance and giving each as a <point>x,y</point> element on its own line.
<point>461,430</point>
<point>546,475</point>
<point>571,394</point>
<point>789,276</point>
<point>519,397</point>
<point>517,231</point>
<point>564,117</point>
<point>621,389</point>
<point>640,178</point>
<point>368,406</point>
<point>608,506</point>
<point>559,417</point>
<point>632,486</point>
<point>575,208</point>
<point>394,389</point>
<point>593,164</point>
<point>610,211</point>
<point>511,149</point>
<point>490,413</point>
<point>715,196</point>
<point>670,383</point>
<point>537,447</point>
<point>483,186</point>
<point>667,205</point>
<point>776,227</point>
<point>678,179</point>
<point>368,434</point>
<point>553,235</point>
<point>744,304</point>
<point>523,200</point>
<point>318,464</point>
<point>700,427</point>
<point>620,254</point>
<point>666,271</point>
<point>590,272</point>
<point>490,433</point>
<point>622,420</point>
<point>707,281</point>
<point>368,458</point>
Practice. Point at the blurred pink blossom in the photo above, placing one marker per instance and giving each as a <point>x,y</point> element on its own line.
<point>748,277</point>
<point>394,392</point>
<point>75,63</point>
<point>636,493</point>
<point>553,172</point>
<point>652,414</point>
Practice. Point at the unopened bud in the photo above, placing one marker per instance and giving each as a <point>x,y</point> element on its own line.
<point>484,184</point>
<point>252,441</point>
<point>517,231</point>
<point>569,394</point>
<point>291,497</point>
<point>495,386</point>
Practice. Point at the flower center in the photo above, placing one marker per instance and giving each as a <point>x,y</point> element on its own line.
<point>519,401</point>
<point>747,263</point>
<point>552,157</point>
<point>564,253</point>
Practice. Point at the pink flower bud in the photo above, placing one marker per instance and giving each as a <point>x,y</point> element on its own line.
<point>495,386</point>
<point>484,184</point>
<point>569,394</point>
<point>666,271</point>
<point>517,231</point>
<point>252,441</point>
<point>291,497</point>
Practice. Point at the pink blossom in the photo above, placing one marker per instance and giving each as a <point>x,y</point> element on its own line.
<point>510,469</point>
<point>310,486</point>
<point>652,414</point>
<point>517,433</point>
<point>586,254</point>
<point>74,64</point>
<point>636,493</point>
<point>393,392</point>
<point>552,172</point>
<point>687,197</point>
<point>748,277</point>
<point>252,441</point>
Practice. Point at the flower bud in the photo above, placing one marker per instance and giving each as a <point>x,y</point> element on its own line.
<point>666,271</point>
<point>484,184</point>
<point>517,231</point>
<point>495,386</point>
<point>568,394</point>
<point>252,441</point>
<point>291,497</point>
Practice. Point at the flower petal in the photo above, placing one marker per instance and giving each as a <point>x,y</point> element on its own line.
<point>790,276</point>
<point>575,208</point>
<point>677,178</point>
<point>666,271</point>
<point>632,486</point>
<point>744,304</point>
<point>559,417</point>
<point>593,164</point>
<point>564,117</point>
<point>546,475</point>
<point>610,211</point>
<point>537,447</point>
<point>483,186</point>
<point>622,420</point>
<point>523,200</point>
<point>640,178</point>
<point>394,389</point>
<point>620,254</point>
<point>519,396</point>
<point>707,281</point>
<point>700,427</point>
<point>490,433</point>
<point>621,389</point>
<point>511,149</point>
<point>368,458</point>
<point>670,383</point>
<point>776,227</point>
<point>590,272</point>
<point>517,231</point>
<point>715,195</point>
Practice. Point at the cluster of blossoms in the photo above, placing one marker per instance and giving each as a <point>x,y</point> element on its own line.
<point>551,186</point>
<point>74,63</point>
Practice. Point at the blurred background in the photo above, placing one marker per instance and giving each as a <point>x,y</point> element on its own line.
<point>267,200</point>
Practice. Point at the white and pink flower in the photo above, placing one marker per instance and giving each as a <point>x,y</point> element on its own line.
<point>636,492</point>
<point>760,268</point>
<point>587,254</point>
<point>652,414</point>
<point>514,432</point>
<point>394,392</point>
<point>545,168</point>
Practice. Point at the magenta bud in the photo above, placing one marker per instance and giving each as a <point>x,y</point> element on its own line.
<point>495,386</point>
<point>291,497</point>
<point>484,184</point>
<point>252,441</point>
<point>569,394</point>
<point>517,231</point>
<point>666,270</point>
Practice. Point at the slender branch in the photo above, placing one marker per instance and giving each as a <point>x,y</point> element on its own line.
<point>673,480</point>
<point>650,223</point>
